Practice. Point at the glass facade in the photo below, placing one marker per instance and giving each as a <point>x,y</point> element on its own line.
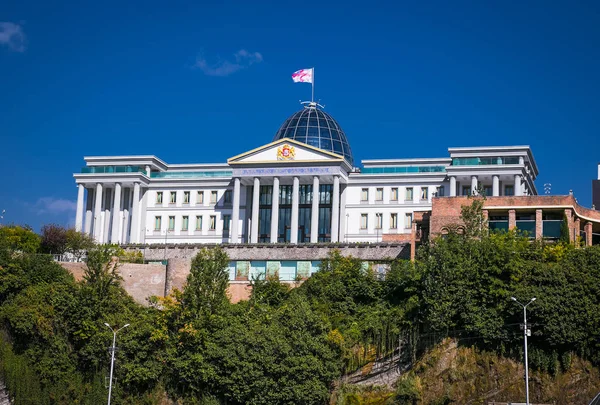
<point>305,198</point>
<point>316,128</point>
<point>190,175</point>
<point>113,169</point>
<point>403,169</point>
<point>485,161</point>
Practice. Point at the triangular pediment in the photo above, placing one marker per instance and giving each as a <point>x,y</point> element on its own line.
<point>285,151</point>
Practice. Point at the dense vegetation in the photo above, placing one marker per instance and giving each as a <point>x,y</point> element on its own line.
<point>286,346</point>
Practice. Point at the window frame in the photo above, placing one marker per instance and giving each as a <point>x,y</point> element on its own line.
<point>393,220</point>
<point>173,197</point>
<point>379,220</point>
<point>364,195</point>
<point>364,221</point>
<point>409,190</point>
<point>214,194</point>
<point>186,197</point>
<point>157,222</point>
<point>227,197</point>
<point>407,221</point>
<point>379,190</point>
<point>185,222</point>
<point>171,228</point>
<point>394,193</point>
<point>212,225</point>
<point>200,197</point>
<point>159,197</point>
<point>199,220</point>
<point>424,193</point>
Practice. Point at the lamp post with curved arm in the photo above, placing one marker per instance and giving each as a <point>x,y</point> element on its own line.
<point>112,358</point>
<point>526,333</point>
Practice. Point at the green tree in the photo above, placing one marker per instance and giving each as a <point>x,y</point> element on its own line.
<point>78,243</point>
<point>565,234</point>
<point>473,218</point>
<point>53,239</point>
<point>19,238</point>
<point>206,288</point>
<point>100,271</point>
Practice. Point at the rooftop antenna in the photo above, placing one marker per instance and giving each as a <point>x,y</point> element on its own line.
<point>547,188</point>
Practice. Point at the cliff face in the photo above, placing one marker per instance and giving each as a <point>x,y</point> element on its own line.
<point>463,375</point>
<point>467,376</point>
<point>4,399</point>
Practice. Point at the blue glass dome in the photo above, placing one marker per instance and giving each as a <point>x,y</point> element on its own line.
<point>315,127</point>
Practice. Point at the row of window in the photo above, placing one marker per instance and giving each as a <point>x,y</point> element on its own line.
<point>185,223</point>
<point>364,221</point>
<point>408,193</point>
<point>199,197</point>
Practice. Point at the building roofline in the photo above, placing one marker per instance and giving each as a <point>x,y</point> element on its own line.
<point>405,161</point>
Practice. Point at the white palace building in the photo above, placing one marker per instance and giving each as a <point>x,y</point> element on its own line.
<point>303,187</point>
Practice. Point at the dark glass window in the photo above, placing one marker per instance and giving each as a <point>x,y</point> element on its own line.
<point>316,128</point>
<point>337,147</point>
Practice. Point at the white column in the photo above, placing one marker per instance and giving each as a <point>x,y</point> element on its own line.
<point>495,186</point>
<point>342,216</point>
<point>89,213</point>
<point>294,224</point>
<point>107,211</point>
<point>473,185</point>
<point>518,189</point>
<point>335,209</point>
<point>116,219</point>
<point>79,213</point>
<point>135,214</point>
<point>275,210</point>
<point>97,210</point>
<point>452,186</point>
<point>235,212</point>
<point>126,209</point>
<point>314,213</point>
<point>148,170</point>
<point>255,202</point>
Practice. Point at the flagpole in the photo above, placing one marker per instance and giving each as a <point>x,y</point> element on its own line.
<point>312,97</point>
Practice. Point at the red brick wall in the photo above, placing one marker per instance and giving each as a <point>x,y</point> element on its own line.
<point>396,237</point>
<point>446,210</point>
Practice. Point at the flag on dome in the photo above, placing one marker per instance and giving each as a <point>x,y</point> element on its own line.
<point>303,76</point>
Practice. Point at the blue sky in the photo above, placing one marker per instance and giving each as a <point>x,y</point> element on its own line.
<point>203,81</point>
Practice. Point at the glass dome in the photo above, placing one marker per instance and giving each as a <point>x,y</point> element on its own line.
<point>315,127</point>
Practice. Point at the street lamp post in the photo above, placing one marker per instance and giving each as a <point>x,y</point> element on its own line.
<point>526,332</point>
<point>112,358</point>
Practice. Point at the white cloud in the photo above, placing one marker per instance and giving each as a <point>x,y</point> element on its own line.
<point>12,36</point>
<point>50,205</point>
<point>242,59</point>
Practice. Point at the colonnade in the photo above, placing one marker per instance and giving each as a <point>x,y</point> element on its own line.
<point>116,217</point>
<point>314,222</point>
<point>518,186</point>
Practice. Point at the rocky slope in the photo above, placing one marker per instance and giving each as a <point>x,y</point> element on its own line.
<point>453,374</point>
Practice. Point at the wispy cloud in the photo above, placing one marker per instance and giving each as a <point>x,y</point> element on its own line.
<point>241,60</point>
<point>12,36</point>
<point>53,206</point>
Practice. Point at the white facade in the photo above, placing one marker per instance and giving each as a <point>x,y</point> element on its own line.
<point>141,199</point>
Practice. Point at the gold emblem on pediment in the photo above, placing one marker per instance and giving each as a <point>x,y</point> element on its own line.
<point>286,152</point>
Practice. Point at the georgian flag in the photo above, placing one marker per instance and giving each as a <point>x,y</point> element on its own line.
<point>303,76</point>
